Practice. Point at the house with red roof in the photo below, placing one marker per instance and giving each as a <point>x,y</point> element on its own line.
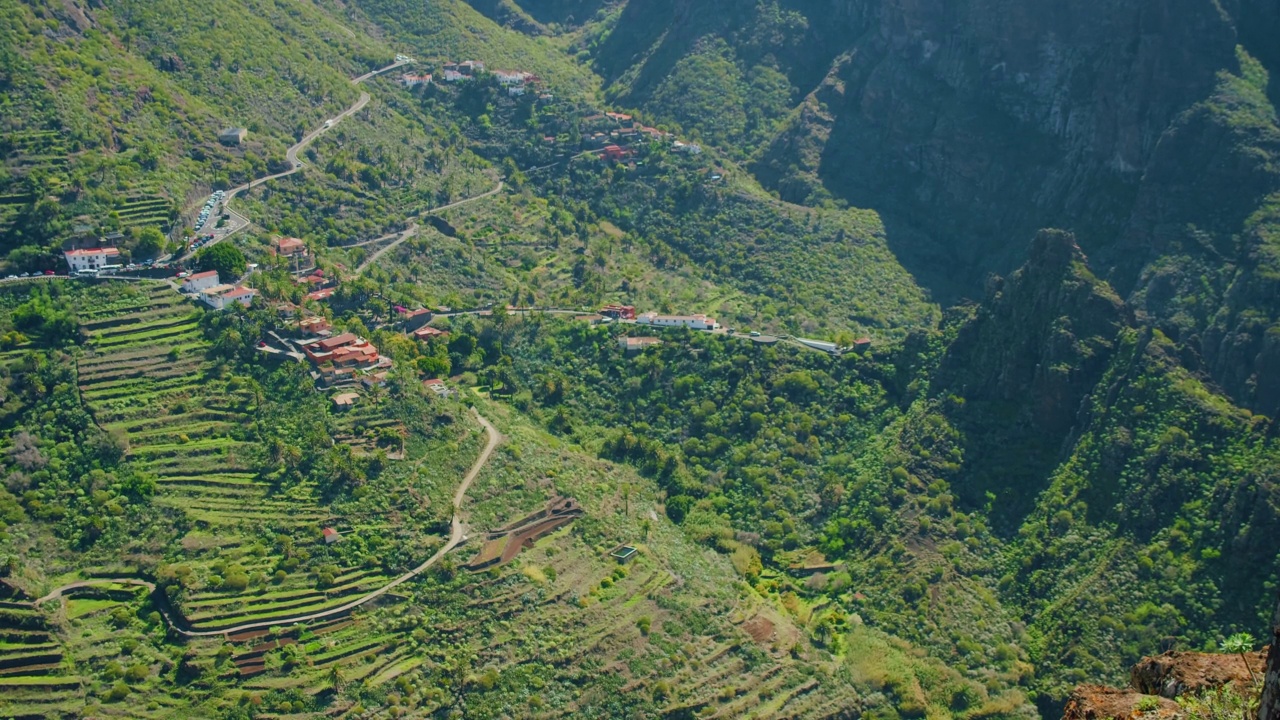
<point>91,258</point>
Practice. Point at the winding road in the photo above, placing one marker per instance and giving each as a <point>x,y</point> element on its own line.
<point>457,535</point>
<point>239,221</point>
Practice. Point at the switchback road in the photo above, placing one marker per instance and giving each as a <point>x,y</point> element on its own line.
<point>240,222</point>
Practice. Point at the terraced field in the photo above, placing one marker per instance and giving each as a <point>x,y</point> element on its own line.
<point>145,375</point>
<point>33,681</point>
<point>144,209</point>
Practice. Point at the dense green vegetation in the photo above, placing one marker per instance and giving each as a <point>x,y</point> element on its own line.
<point>988,506</point>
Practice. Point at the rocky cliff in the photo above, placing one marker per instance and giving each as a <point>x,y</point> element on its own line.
<point>1269,708</point>
<point>1023,365</point>
<point>1150,131</point>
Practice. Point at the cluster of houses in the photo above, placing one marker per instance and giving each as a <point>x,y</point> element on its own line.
<point>340,359</point>
<point>607,130</point>
<point>209,289</point>
<point>515,81</point>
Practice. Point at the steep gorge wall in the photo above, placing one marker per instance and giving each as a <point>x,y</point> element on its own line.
<point>1270,707</point>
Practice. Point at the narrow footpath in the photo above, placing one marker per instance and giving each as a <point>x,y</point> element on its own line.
<point>457,535</point>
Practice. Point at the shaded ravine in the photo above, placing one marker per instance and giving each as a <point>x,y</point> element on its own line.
<point>179,624</point>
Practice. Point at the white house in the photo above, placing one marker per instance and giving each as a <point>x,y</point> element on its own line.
<point>509,78</point>
<point>200,281</point>
<point>411,80</point>
<point>695,322</point>
<point>91,258</point>
<point>219,297</point>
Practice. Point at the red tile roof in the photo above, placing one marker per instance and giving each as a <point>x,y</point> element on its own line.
<point>337,341</point>
<point>93,251</point>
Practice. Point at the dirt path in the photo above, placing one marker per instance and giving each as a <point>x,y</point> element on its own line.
<point>457,536</point>
<point>57,593</point>
<point>413,227</point>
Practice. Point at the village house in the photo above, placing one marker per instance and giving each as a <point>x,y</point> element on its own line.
<point>621,118</point>
<point>200,281</point>
<point>220,297</point>
<point>592,319</point>
<point>695,322</point>
<point>345,401</point>
<point>619,312</point>
<point>510,78</point>
<point>426,332</point>
<point>232,136</point>
<point>372,379</point>
<point>345,351</point>
<point>863,343</point>
<point>288,247</point>
<point>330,535</point>
<point>322,294</point>
<point>411,81</point>
<point>414,319</point>
<point>613,153</point>
<point>437,386</point>
<point>91,258</point>
<point>636,344</point>
<point>314,326</point>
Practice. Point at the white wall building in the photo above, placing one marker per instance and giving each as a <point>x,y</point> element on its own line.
<point>91,258</point>
<point>200,281</point>
<point>695,322</point>
<point>220,297</point>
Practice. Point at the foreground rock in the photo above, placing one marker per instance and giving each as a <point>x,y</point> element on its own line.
<point>1173,673</point>
<point>1270,706</point>
<point>1098,702</point>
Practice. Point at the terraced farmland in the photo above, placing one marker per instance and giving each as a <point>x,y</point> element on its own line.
<point>145,375</point>
<point>141,210</point>
<point>33,680</point>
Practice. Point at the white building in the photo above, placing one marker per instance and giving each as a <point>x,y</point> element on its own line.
<point>220,297</point>
<point>507,78</point>
<point>410,80</point>
<point>91,258</point>
<point>200,281</point>
<point>695,322</point>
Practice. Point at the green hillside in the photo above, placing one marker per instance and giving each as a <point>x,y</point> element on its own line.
<point>1014,470</point>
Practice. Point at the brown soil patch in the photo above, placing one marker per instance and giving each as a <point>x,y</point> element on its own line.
<point>1176,673</point>
<point>760,628</point>
<point>1097,702</point>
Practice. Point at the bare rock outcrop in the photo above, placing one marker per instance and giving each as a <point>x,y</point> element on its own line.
<point>1174,673</point>
<point>1098,702</point>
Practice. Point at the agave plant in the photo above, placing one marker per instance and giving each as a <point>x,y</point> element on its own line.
<point>1240,643</point>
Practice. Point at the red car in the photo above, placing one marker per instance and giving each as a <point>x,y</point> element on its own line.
<point>48,272</point>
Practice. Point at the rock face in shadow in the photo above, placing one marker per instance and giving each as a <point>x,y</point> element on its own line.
<point>1024,364</point>
<point>1270,705</point>
<point>1173,673</point>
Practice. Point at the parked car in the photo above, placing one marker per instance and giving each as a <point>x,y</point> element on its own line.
<point>48,272</point>
<point>755,334</point>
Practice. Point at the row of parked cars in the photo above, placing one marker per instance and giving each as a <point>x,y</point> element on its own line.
<point>209,205</point>
<point>29,274</point>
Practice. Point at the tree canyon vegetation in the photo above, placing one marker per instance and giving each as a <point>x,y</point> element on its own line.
<point>638,358</point>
